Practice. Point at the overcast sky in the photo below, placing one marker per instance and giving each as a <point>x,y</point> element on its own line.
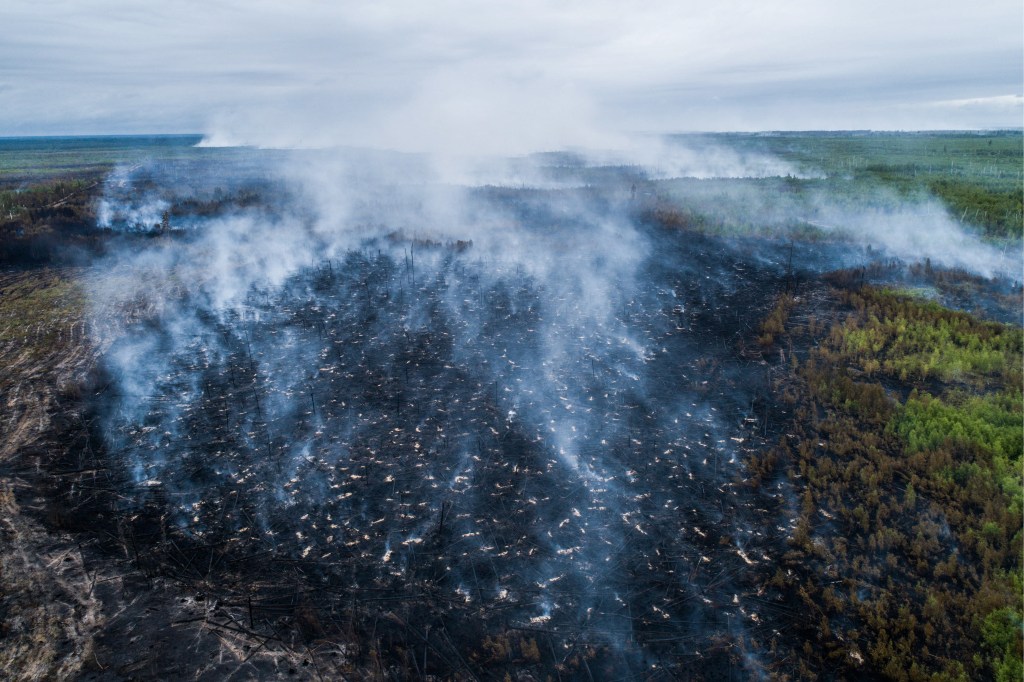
<point>531,74</point>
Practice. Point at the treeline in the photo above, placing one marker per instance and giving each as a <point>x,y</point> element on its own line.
<point>39,207</point>
<point>998,211</point>
<point>55,221</point>
<point>47,222</point>
<point>905,448</point>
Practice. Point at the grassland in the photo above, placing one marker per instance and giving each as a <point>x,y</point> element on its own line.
<point>28,161</point>
<point>977,177</point>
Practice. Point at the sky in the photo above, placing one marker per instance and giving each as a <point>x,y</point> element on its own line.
<point>503,77</point>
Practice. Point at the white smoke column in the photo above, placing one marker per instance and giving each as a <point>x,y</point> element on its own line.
<point>690,156</point>
<point>918,231</point>
<point>121,208</point>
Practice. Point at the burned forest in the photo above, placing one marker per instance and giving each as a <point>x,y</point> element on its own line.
<point>337,415</point>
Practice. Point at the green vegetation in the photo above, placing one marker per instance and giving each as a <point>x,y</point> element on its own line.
<point>29,160</point>
<point>915,340</point>
<point>50,188</point>
<point>995,206</point>
<point>1001,635</point>
<point>46,202</point>
<point>990,422</point>
<point>979,177</point>
<point>40,223</point>
<point>906,442</point>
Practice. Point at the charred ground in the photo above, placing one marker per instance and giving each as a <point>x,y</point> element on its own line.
<point>344,493</point>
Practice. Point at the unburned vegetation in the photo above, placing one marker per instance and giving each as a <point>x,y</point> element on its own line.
<point>906,447</point>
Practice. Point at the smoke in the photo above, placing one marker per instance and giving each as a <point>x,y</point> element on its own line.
<point>486,374</point>
<point>911,228</point>
<point>915,231</point>
<point>458,111</point>
<point>659,157</point>
<point>127,209</point>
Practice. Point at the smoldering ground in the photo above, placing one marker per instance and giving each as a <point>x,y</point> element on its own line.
<point>504,407</point>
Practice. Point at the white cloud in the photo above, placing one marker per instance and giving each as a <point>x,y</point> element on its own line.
<point>1011,102</point>
<point>499,76</point>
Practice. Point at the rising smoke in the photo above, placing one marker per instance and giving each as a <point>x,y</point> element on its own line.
<point>489,376</point>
